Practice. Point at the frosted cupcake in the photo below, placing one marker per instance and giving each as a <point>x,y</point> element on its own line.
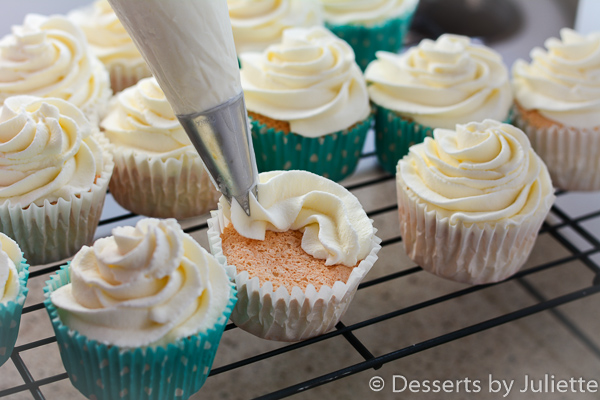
<point>308,104</point>
<point>14,272</point>
<point>49,57</point>
<point>258,24</point>
<point>157,170</point>
<point>54,172</point>
<point>110,42</point>
<point>370,25</point>
<point>472,200</point>
<point>140,314</point>
<point>557,103</point>
<point>298,259</point>
<point>435,85</point>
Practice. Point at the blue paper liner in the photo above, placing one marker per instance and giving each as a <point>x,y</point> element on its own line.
<point>10,314</point>
<point>334,156</point>
<point>100,371</point>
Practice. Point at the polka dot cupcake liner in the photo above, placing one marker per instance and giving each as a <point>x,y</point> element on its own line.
<point>333,156</point>
<point>106,372</point>
<point>10,315</point>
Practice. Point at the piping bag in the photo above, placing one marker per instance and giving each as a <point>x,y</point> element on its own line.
<point>188,45</point>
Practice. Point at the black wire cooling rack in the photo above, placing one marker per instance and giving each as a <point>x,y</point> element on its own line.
<point>367,360</point>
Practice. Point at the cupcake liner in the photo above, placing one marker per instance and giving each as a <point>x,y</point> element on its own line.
<point>57,230</point>
<point>469,253</point>
<point>10,314</point>
<point>172,188</point>
<point>106,372</point>
<point>279,315</point>
<point>124,74</point>
<point>570,154</point>
<point>367,40</point>
<point>334,156</point>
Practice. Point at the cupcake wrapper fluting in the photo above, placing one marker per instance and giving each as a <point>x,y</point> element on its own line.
<point>123,75</point>
<point>279,315</point>
<point>10,315</point>
<point>333,156</point>
<point>106,372</point>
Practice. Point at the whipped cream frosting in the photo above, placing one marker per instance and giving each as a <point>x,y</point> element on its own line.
<point>141,118</point>
<point>335,227</point>
<point>46,151</point>
<point>481,173</point>
<point>189,47</point>
<point>441,83</point>
<point>147,285</point>
<point>49,57</point>
<point>10,258</point>
<point>259,23</point>
<point>365,12</point>
<point>562,82</point>
<point>310,79</point>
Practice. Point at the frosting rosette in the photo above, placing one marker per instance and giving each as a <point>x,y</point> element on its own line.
<point>147,285</point>
<point>10,260</point>
<point>259,23</point>
<point>365,12</point>
<point>562,82</point>
<point>46,151</point>
<point>49,57</point>
<point>441,83</point>
<point>310,80</point>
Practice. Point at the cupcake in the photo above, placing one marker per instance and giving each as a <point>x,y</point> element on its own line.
<point>157,169</point>
<point>557,103</point>
<point>259,24</point>
<point>435,85</point>
<point>49,57</point>
<point>298,258</point>
<point>54,172</point>
<point>140,314</point>
<point>472,200</point>
<point>370,25</point>
<point>14,272</point>
<point>308,104</point>
<point>110,42</point>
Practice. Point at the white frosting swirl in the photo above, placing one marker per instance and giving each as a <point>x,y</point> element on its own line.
<point>147,285</point>
<point>482,172</point>
<point>46,151</point>
<point>259,23</point>
<point>141,118</point>
<point>441,83</point>
<point>311,80</point>
<point>335,226</point>
<point>10,258</point>
<point>562,83</point>
<point>365,12</point>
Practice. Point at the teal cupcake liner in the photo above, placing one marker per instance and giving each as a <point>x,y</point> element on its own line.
<point>367,40</point>
<point>10,314</point>
<point>100,371</point>
<point>333,156</point>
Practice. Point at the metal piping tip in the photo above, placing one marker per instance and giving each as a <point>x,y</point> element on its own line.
<point>244,200</point>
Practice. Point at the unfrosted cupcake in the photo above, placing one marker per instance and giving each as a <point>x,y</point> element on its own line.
<point>308,104</point>
<point>258,24</point>
<point>436,84</point>
<point>557,103</point>
<point>158,172</point>
<point>49,57</point>
<point>54,172</point>
<point>140,314</point>
<point>110,42</point>
<point>472,200</point>
<point>370,25</point>
<point>298,259</point>
<point>14,272</point>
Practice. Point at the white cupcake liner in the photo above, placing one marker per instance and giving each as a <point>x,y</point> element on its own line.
<point>279,315</point>
<point>572,155</point>
<point>124,74</point>
<point>468,253</point>
<point>58,230</point>
<point>172,188</point>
